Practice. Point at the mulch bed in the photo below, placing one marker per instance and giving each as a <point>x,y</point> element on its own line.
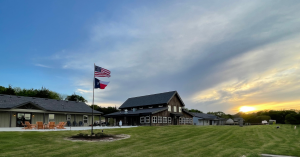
<point>98,139</point>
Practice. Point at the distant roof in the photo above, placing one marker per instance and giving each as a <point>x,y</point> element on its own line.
<point>237,119</point>
<point>137,112</point>
<point>205,116</point>
<point>154,99</point>
<point>12,101</point>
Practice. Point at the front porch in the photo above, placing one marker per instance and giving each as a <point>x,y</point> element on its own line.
<point>67,128</point>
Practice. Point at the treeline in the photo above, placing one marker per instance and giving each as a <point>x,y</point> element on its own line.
<point>105,110</point>
<point>40,93</point>
<point>282,116</point>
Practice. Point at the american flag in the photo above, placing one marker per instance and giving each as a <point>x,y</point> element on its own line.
<point>101,72</point>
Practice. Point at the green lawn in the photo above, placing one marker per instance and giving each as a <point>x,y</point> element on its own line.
<point>212,141</point>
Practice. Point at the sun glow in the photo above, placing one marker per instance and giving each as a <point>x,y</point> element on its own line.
<point>247,109</point>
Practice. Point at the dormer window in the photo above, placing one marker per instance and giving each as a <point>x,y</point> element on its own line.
<point>180,109</point>
<point>169,108</point>
<point>141,108</point>
<point>150,106</point>
<point>160,106</point>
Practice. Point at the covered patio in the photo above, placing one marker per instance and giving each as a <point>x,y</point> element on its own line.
<point>67,128</point>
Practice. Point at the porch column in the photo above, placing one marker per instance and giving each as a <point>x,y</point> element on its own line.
<point>9,119</point>
<point>75,118</point>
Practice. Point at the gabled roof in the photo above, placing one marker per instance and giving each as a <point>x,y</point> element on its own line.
<point>154,99</point>
<point>12,101</point>
<point>205,116</point>
<point>137,112</point>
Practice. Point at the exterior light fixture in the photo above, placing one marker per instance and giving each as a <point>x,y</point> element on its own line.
<point>33,115</point>
<point>14,115</point>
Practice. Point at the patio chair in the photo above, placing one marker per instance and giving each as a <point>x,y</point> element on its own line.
<point>69,123</point>
<point>39,125</point>
<point>28,125</point>
<point>74,123</point>
<point>25,126</point>
<point>61,125</point>
<point>51,125</point>
<point>80,123</point>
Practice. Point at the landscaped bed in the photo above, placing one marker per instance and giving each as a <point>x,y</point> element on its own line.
<point>210,141</point>
<point>97,137</point>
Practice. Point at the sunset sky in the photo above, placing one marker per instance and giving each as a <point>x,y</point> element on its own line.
<point>219,55</point>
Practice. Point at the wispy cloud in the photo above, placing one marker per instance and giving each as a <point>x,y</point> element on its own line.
<point>41,65</point>
<point>217,56</point>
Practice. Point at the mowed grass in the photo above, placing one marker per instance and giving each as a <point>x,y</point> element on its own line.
<point>211,141</point>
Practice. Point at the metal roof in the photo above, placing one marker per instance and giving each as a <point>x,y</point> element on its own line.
<point>147,100</point>
<point>12,101</point>
<point>137,112</point>
<point>205,116</point>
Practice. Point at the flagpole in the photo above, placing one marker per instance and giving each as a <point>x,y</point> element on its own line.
<point>93,102</point>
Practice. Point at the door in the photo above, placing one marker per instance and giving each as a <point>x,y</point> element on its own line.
<point>175,120</point>
<point>22,117</point>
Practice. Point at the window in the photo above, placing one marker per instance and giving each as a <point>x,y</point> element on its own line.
<point>179,109</point>
<point>51,117</point>
<point>160,106</point>
<point>68,117</point>
<point>175,108</point>
<point>154,119</point>
<point>159,119</point>
<point>165,120</point>
<point>85,119</point>
<point>141,119</point>
<point>180,120</point>
<point>169,108</point>
<point>150,106</point>
<point>187,120</point>
<point>141,107</point>
<point>191,120</point>
<point>147,119</point>
<point>169,120</point>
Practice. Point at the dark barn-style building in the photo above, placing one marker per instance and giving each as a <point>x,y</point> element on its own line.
<point>154,110</point>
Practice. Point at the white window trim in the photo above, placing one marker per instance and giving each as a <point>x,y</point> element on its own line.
<point>169,108</point>
<point>142,120</point>
<point>175,109</point>
<point>69,118</point>
<point>165,120</point>
<point>87,119</point>
<point>159,119</point>
<point>169,120</point>
<point>150,106</point>
<point>160,105</point>
<point>141,108</point>
<point>53,117</point>
<point>154,119</point>
<point>183,120</point>
<point>179,109</point>
<point>147,119</point>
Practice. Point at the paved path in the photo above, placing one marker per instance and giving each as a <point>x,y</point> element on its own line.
<point>67,128</point>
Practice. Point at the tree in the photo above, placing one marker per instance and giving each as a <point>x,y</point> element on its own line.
<point>195,110</point>
<point>75,97</point>
<point>292,118</point>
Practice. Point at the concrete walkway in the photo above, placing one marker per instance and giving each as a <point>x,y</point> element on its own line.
<point>67,128</point>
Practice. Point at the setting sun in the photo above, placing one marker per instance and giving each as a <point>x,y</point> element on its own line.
<point>246,108</point>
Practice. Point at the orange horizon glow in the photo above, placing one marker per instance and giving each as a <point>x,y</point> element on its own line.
<point>246,109</point>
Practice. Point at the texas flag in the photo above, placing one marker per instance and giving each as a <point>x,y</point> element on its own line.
<point>100,84</point>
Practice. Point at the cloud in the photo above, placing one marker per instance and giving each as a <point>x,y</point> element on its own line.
<point>41,65</point>
<point>216,55</point>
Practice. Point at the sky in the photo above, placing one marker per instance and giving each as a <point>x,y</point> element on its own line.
<point>218,55</point>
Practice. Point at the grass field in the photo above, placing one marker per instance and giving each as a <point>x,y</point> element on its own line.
<point>211,141</point>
